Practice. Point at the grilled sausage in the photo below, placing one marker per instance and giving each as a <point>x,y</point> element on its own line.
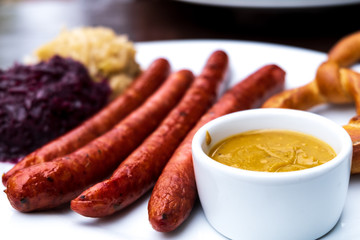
<point>175,192</point>
<point>138,173</point>
<point>49,184</point>
<point>101,122</point>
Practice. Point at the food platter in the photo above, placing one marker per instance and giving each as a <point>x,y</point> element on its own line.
<point>132,223</point>
<point>273,3</point>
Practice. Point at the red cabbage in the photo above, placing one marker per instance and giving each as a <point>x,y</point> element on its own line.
<point>41,102</point>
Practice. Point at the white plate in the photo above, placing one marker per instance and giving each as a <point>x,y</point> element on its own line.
<point>273,3</point>
<point>132,223</point>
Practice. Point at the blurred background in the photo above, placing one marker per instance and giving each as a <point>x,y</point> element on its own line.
<point>317,24</point>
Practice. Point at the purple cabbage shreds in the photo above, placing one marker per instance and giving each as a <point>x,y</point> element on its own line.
<point>41,102</point>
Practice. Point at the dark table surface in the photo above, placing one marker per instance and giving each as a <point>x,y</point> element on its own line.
<point>24,25</point>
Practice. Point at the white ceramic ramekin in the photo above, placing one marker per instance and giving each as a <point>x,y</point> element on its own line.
<point>242,204</point>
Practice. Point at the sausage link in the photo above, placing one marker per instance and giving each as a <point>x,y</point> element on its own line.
<point>49,184</point>
<point>174,194</point>
<point>101,122</point>
<point>139,172</point>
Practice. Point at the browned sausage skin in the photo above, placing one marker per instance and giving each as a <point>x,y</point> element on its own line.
<point>49,184</point>
<point>175,192</point>
<point>139,172</point>
<point>103,121</point>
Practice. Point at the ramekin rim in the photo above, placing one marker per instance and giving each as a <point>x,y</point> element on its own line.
<point>273,176</point>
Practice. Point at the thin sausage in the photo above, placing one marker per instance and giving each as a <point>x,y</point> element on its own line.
<point>49,184</point>
<point>103,121</point>
<point>139,172</point>
<point>174,194</point>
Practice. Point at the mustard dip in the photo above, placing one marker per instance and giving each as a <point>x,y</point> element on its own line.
<point>272,151</point>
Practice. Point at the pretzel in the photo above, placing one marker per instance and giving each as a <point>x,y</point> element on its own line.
<point>334,83</point>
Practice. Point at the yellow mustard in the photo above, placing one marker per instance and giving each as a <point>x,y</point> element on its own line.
<point>272,151</point>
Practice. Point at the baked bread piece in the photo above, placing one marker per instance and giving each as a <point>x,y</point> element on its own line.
<point>334,83</point>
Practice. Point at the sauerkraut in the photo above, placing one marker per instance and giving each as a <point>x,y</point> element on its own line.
<point>101,50</point>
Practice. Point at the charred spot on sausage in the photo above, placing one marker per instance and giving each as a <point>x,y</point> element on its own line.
<point>117,206</point>
<point>183,114</point>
